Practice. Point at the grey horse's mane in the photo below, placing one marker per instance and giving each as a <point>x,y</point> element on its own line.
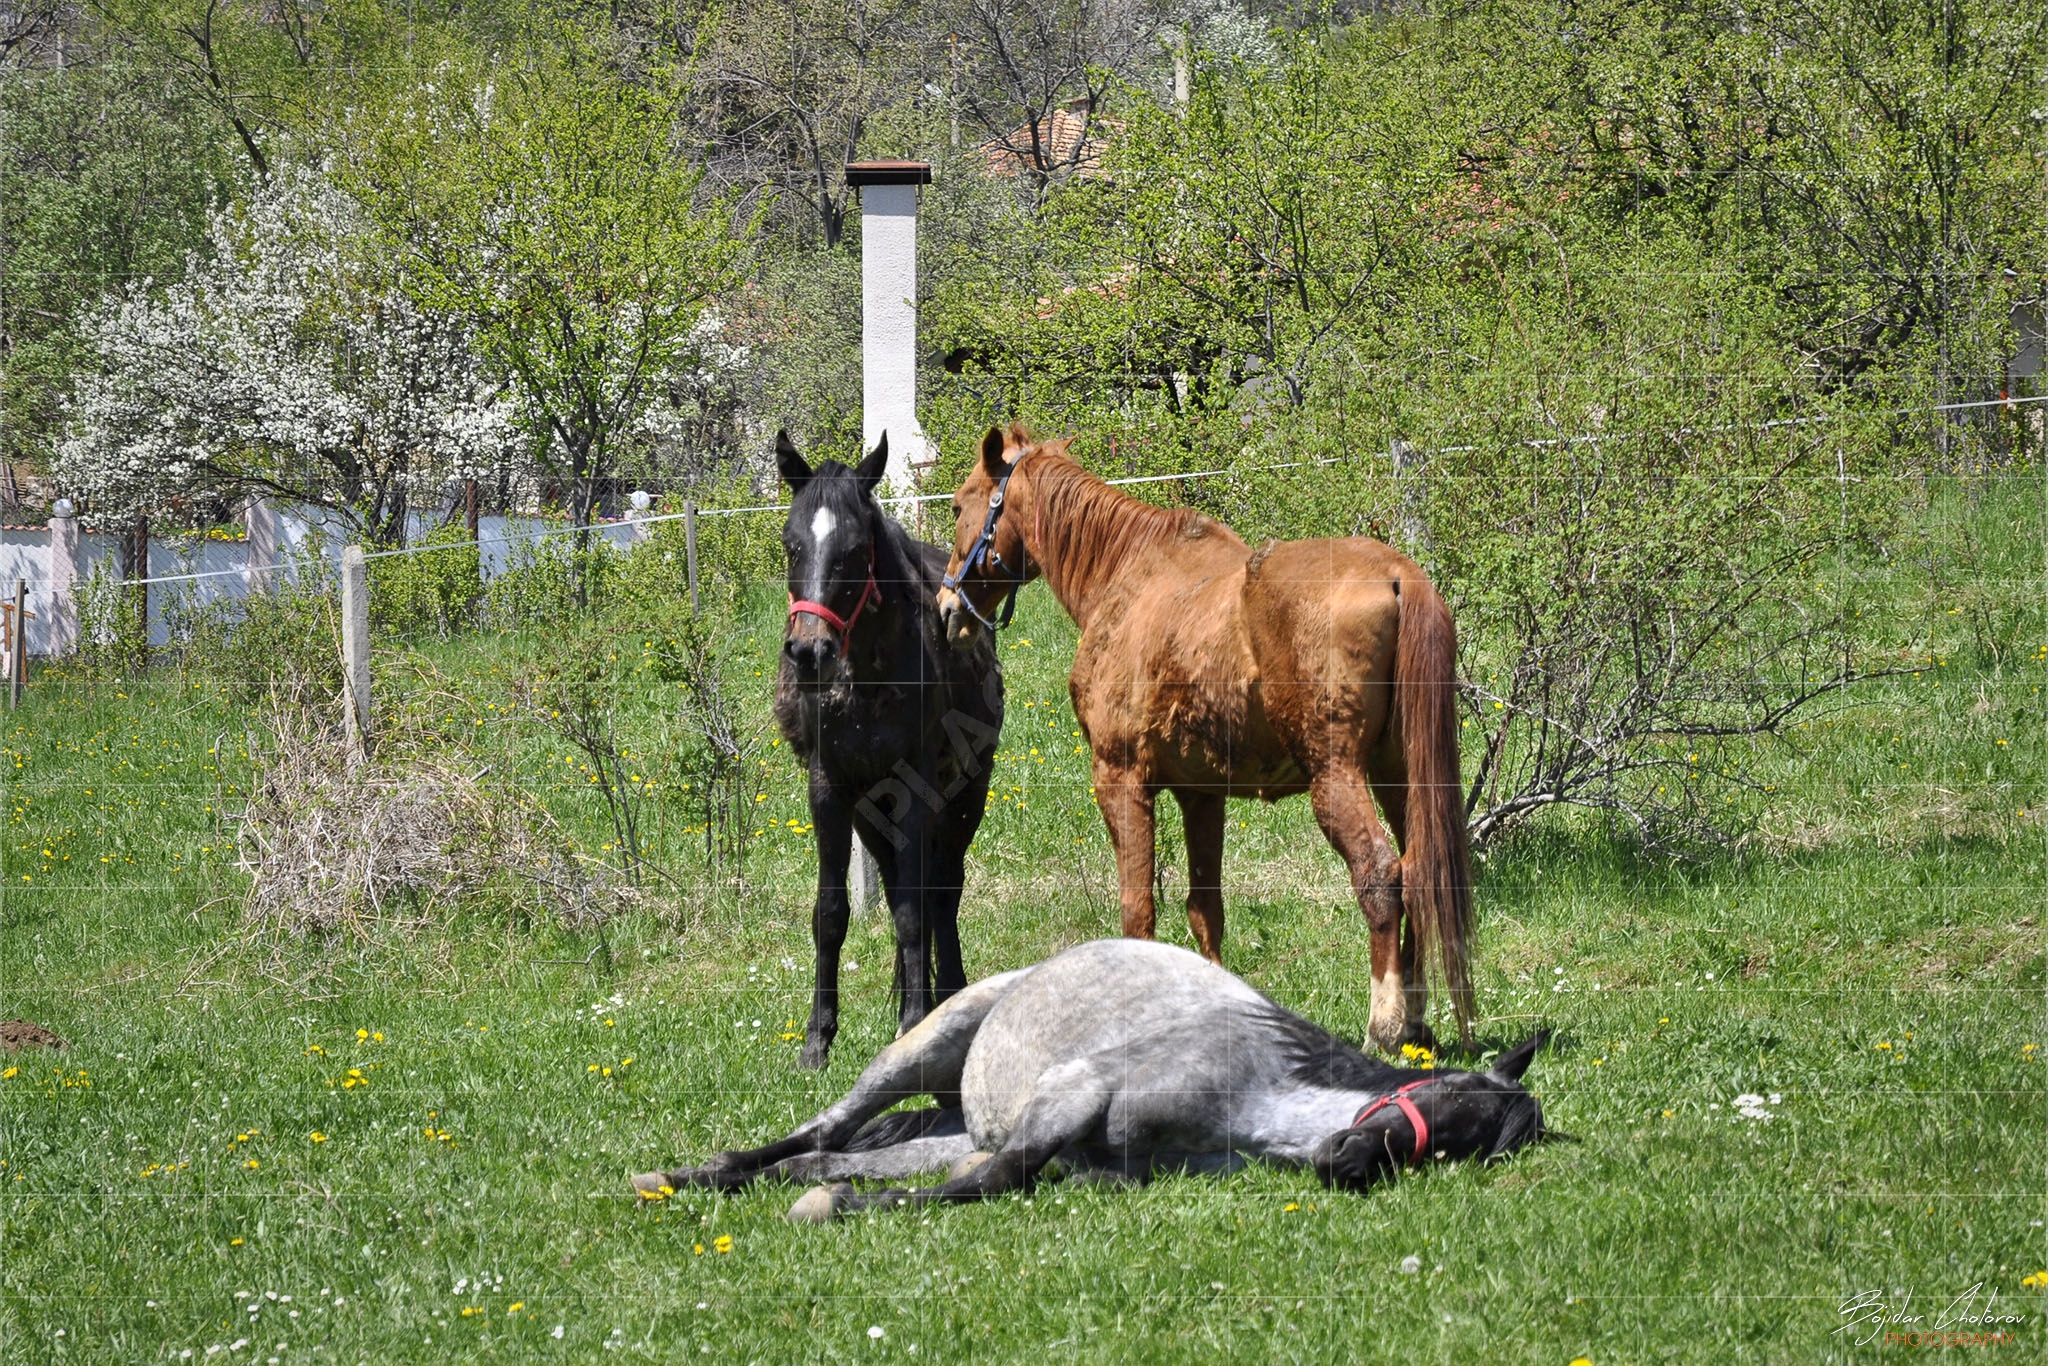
<point>1316,1057</point>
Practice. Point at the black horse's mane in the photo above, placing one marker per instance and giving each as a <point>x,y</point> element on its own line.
<point>1316,1057</point>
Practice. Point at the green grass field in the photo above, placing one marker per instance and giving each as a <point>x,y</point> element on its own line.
<point>197,1177</point>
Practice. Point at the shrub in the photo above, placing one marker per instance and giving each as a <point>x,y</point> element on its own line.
<point>437,588</point>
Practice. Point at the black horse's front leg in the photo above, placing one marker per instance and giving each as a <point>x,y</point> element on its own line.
<point>833,826</point>
<point>906,884</point>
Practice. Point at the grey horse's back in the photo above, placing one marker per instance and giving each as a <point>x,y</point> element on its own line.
<point>1154,1018</point>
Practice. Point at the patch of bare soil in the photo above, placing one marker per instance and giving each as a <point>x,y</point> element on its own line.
<point>16,1035</point>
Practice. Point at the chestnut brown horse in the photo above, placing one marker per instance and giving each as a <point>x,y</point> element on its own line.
<point>1213,670</point>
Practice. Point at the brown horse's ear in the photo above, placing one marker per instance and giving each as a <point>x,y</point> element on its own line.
<point>796,471</point>
<point>992,453</point>
<point>870,471</point>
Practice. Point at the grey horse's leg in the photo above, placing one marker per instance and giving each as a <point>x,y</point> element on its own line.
<point>933,1145</point>
<point>1067,1104</point>
<point>926,1060</point>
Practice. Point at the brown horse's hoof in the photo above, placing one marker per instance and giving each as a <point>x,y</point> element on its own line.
<point>821,1204</point>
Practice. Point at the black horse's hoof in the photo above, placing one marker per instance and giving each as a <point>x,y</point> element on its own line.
<point>1419,1034</point>
<point>815,1055</point>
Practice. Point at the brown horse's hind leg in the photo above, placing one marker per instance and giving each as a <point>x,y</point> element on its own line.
<point>1415,984</point>
<point>1201,816</point>
<point>1343,805</point>
<point>1390,785</point>
<point>1126,802</point>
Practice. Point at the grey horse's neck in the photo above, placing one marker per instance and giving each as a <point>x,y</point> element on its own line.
<point>1287,1124</point>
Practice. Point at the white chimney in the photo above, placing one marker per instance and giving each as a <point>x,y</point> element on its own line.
<point>888,277</point>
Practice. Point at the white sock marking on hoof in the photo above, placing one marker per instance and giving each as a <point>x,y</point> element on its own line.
<point>820,1204</point>
<point>967,1166</point>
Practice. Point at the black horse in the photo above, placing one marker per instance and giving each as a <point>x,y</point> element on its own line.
<point>897,727</point>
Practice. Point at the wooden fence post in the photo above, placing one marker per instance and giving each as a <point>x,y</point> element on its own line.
<point>355,641</point>
<point>690,548</point>
<point>1407,462</point>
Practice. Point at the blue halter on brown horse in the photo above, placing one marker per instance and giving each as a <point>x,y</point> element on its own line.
<point>1212,670</point>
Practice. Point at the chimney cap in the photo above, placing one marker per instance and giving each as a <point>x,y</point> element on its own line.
<point>888,173</point>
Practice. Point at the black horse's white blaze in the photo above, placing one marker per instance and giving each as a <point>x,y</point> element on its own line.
<point>1125,1057</point>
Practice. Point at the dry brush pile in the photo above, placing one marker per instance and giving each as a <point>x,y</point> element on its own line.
<point>336,840</point>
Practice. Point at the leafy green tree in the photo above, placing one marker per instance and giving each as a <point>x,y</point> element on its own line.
<point>106,176</point>
<point>549,199</point>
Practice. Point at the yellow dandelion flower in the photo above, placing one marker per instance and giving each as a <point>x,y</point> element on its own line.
<point>516,1306</point>
<point>252,1164</point>
<point>317,1137</point>
<point>697,1248</point>
<point>1289,1208</point>
<point>723,1242</point>
<point>234,1242</point>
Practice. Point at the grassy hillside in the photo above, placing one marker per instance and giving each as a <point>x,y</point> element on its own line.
<point>404,1144</point>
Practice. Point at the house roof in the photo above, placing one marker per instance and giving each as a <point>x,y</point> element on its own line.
<point>1066,137</point>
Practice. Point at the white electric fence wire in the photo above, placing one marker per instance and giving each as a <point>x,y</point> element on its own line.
<point>1542,444</point>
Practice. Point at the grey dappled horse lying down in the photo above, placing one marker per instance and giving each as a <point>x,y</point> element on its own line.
<point>1121,1058</point>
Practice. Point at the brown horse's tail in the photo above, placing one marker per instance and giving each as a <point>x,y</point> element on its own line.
<point>1436,864</point>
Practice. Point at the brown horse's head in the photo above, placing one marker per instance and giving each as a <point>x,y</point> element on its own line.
<point>989,560</point>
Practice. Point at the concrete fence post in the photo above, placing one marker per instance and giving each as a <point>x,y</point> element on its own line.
<point>355,641</point>
<point>17,644</point>
<point>63,576</point>
<point>259,520</point>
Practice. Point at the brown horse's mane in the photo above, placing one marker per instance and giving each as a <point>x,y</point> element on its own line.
<point>1090,529</point>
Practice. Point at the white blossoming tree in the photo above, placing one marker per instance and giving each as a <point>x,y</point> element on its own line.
<point>289,362</point>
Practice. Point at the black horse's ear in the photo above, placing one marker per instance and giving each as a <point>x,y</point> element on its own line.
<point>1510,1065</point>
<point>870,471</point>
<point>796,471</point>
<point>992,453</point>
<point>1523,1125</point>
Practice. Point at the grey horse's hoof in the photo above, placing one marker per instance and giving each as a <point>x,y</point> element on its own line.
<point>821,1204</point>
<point>967,1166</point>
<point>817,1052</point>
<point>653,1186</point>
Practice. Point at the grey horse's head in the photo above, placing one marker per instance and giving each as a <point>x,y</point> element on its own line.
<point>1468,1114</point>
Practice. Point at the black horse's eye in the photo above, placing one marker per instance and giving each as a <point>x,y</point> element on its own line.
<point>956,509</point>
